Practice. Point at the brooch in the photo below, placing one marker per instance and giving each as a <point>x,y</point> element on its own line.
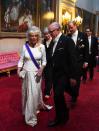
<point>81,46</point>
<point>40,49</point>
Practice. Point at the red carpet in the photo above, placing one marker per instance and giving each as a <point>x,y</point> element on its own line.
<point>84,117</point>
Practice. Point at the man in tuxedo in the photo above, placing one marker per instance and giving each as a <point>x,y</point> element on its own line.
<point>92,53</point>
<point>81,49</point>
<point>47,70</point>
<point>63,71</point>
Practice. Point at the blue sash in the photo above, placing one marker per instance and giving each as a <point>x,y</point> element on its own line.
<point>31,55</point>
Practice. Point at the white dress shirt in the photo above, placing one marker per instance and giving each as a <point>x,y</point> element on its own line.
<point>89,40</point>
<point>74,36</point>
<point>55,41</point>
<point>48,42</point>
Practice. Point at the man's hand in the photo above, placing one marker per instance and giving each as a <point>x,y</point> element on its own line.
<point>72,82</point>
<point>85,65</point>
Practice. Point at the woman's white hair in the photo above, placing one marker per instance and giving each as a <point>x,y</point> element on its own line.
<point>46,30</point>
<point>35,30</point>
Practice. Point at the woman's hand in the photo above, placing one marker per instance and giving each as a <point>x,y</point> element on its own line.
<point>39,72</point>
<point>85,65</point>
<point>18,71</point>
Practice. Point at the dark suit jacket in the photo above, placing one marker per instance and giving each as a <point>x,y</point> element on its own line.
<point>81,49</point>
<point>47,69</point>
<point>47,49</point>
<point>94,51</point>
<point>63,59</point>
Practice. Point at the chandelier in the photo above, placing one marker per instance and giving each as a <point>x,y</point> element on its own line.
<point>78,20</point>
<point>49,15</point>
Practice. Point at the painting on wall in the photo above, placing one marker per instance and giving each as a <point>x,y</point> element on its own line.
<point>17,15</point>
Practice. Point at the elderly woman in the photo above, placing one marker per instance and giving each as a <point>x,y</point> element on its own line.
<point>30,69</point>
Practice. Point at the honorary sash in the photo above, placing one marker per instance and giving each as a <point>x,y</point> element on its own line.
<point>31,55</point>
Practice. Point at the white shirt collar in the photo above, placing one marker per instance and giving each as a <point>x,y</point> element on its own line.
<point>89,37</point>
<point>56,40</point>
<point>75,33</point>
<point>58,36</point>
<point>74,36</point>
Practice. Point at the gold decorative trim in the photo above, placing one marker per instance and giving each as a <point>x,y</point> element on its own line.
<point>8,70</point>
<point>12,35</point>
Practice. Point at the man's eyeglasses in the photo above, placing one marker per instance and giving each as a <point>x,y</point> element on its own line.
<point>87,31</point>
<point>51,31</point>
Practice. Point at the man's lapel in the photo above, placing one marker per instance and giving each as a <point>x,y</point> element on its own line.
<point>92,42</point>
<point>79,39</point>
<point>51,47</point>
<point>58,45</point>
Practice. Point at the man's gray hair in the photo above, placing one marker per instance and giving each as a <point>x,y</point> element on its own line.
<point>55,25</point>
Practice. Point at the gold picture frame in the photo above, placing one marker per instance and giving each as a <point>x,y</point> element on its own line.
<point>15,17</point>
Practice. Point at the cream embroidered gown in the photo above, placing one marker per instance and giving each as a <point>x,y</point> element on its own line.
<point>31,89</point>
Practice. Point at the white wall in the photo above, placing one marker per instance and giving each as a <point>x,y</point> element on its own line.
<point>96,5</point>
<point>90,6</point>
<point>86,4</point>
<point>11,44</point>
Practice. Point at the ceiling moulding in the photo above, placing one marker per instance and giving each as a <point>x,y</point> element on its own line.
<point>66,7</point>
<point>74,1</point>
<point>97,12</point>
<point>69,2</point>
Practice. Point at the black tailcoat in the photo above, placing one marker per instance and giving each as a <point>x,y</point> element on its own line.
<point>64,67</point>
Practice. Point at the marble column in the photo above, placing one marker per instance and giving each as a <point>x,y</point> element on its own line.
<point>96,24</point>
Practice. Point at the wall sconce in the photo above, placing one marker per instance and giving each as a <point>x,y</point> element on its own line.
<point>65,19</point>
<point>49,15</point>
<point>78,20</point>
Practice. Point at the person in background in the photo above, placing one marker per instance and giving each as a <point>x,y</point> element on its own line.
<point>30,70</point>
<point>92,53</point>
<point>25,21</point>
<point>63,64</point>
<point>81,49</point>
<point>98,55</point>
<point>7,18</point>
<point>47,70</point>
